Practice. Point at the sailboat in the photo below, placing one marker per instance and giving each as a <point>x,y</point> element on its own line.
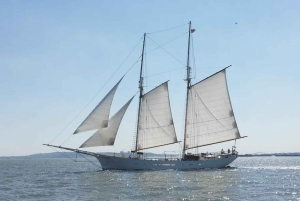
<point>209,119</point>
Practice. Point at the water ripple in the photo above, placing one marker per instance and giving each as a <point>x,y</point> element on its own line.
<point>256,178</point>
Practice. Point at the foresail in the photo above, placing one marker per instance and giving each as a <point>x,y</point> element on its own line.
<point>106,136</point>
<point>155,121</point>
<point>210,117</point>
<point>98,118</point>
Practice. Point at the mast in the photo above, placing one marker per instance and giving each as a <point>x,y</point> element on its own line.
<point>188,84</point>
<point>141,93</point>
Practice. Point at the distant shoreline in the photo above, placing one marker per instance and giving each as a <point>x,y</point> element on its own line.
<point>126,154</point>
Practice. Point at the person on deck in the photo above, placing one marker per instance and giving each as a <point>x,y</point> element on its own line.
<point>222,151</point>
<point>228,150</point>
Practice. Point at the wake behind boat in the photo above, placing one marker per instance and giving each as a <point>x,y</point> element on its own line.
<point>209,119</point>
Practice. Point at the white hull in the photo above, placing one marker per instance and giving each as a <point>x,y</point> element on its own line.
<point>118,163</point>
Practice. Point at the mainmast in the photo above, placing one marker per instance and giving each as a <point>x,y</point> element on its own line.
<point>188,84</point>
<point>141,93</point>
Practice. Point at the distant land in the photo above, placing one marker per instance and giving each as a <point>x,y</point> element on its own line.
<point>73,155</point>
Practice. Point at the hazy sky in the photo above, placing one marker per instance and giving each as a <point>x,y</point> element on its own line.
<point>56,55</point>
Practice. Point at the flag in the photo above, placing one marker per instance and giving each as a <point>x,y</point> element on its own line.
<point>193,30</point>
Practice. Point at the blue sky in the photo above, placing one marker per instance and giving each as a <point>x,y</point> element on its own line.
<point>56,55</point>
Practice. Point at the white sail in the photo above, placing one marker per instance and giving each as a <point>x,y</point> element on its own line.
<point>155,121</point>
<point>210,117</point>
<point>98,118</point>
<point>106,136</point>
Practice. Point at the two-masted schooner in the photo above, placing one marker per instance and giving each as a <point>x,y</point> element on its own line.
<point>209,119</point>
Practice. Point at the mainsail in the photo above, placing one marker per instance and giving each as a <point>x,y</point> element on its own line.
<point>98,118</point>
<point>106,136</point>
<point>156,126</point>
<point>210,117</point>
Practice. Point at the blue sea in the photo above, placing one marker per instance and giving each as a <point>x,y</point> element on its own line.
<point>252,178</point>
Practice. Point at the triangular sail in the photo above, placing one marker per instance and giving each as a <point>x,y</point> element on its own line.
<point>155,121</point>
<point>210,117</point>
<point>106,136</point>
<point>98,118</point>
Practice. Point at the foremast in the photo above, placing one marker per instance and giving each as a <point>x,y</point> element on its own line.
<point>155,126</point>
<point>188,85</point>
<point>141,94</point>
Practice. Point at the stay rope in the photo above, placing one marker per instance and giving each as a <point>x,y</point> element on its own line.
<point>168,29</point>
<point>166,51</point>
<point>69,157</point>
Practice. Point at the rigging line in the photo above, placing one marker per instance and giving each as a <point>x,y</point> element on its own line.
<point>166,51</point>
<point>132,66</point>
<point>65,140</point>
<point>67,156</point>
<point>96,93</point>
<point>166,43</point>
<point>145,66</point>
<point>89,160</point>
<point>194,58</point>
<point>165,72</point>
<point>62,154</point>
<point>168,29</point>
<point>62,151</point>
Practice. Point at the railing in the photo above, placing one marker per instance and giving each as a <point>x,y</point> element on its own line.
<point>218,154</point>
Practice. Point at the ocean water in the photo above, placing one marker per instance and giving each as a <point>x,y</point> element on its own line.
<point>253,178</point>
